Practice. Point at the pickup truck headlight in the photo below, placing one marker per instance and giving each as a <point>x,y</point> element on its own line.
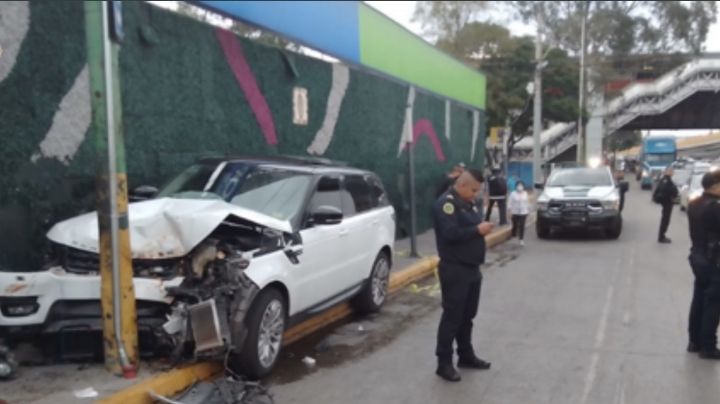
<point>695,194</point>
<point>611,204</point>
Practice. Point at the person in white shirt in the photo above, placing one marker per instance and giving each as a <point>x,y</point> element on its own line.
<point>519,207</point>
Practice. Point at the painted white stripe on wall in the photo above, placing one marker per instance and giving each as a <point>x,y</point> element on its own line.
<point>14,24</point>
<point>447,119</point>
<point>70,123</point>
<point>340,81</point>
<point>407,136</point>
<point>475,128</point>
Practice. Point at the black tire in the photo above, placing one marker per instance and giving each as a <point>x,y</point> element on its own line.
<point>8,363</point>
<point>615,230</point>
<point>248,361</point>
<point>542,230</point>
<point>375,292</point>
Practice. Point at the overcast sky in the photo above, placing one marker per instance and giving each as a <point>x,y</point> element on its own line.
<point>402,12</point>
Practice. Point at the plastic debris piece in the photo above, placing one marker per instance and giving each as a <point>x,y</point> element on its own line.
<point>308,361</point>
<point>86,393</point>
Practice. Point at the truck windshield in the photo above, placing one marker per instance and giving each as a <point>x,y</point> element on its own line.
<point>581,177</point>
<point>660,159</point>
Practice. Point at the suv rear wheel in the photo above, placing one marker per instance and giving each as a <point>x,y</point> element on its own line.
<point>375,292</point>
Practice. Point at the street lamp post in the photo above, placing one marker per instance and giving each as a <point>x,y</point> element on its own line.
<point>537,107</point>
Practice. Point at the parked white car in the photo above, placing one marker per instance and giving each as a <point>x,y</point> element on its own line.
<point>227,256</point>
<point>691,190</point>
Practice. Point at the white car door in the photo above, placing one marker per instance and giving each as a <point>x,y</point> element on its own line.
<point>324,250</point>
<point>362,220</point>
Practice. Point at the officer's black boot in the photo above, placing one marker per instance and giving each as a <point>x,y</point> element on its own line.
<point>448,372</point>
<point>473,363</point>
<point>713,354</point>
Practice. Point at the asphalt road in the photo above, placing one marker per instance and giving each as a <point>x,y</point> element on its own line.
<point>573,320</point>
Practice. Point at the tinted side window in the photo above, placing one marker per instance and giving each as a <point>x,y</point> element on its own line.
<point>327,193</point>
<point>377,192</point>
<point>360,192</point>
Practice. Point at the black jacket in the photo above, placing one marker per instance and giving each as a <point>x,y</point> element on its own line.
<point>666,191</point>
<point>444,185</point>
<point>497,186</point>
<point>456,233</point>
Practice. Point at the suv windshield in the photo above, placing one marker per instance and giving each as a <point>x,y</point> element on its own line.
<point>275,192</point>
<point>585,177</point>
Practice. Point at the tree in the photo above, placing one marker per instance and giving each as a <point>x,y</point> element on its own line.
<point>444,19</point>
<point>618,28</point>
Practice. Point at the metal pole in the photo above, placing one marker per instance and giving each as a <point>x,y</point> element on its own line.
<point>581,146</point>
<point>117,294</point>
<point>505,140</point>
<point>411,169</point>
<point>537,107</point>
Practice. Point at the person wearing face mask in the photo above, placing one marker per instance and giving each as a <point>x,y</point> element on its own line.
<point>519,207</point>
<point>460,236</point>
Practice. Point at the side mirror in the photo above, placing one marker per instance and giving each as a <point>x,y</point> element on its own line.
<point>143,193</point>
<point>326,215</point>
<point>624,186</point>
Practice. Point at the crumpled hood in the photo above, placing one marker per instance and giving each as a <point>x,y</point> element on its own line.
<point>162,228</point>
<point>579,192</point>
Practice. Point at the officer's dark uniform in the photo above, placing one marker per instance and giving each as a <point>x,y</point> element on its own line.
<point>665,195</point>
<point>462,250</point>
<point>704,218</point>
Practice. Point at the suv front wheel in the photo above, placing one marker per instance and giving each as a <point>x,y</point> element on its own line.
<point>373,295</point>
<point>266,324</point>
<point>542,229</point>
<point>614,231</point>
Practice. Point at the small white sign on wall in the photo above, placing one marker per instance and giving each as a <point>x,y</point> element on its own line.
<point>300,106</point>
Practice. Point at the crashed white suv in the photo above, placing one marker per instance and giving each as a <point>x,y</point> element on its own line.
<point>226,257</point>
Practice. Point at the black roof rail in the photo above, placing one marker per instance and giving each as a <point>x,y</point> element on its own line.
<point>287,159</point>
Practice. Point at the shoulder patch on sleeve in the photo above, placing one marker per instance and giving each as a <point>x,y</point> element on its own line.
<point>448,208</point>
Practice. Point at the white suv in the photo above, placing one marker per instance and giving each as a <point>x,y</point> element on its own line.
<point>242,247</point>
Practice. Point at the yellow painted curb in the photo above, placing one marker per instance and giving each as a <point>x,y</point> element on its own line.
<point>177,380</point>
<point>167,384</point>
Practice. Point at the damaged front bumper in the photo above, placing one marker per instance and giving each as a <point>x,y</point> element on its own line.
<point>49,301</point>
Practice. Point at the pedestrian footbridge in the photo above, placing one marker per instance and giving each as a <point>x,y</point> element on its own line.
<point>687,97</point>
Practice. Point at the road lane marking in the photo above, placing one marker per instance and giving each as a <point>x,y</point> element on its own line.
<point>600,336</point>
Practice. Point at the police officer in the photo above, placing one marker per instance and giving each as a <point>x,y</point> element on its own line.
<point>460,236</point>
<point>704,218</point>
<point>665,195</point>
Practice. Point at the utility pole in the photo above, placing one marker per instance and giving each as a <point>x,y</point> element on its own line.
<point>537,88</point>
<point>103,19</point>
<point>408,133</point>
<point>505,139</point>
<point>581,146</point>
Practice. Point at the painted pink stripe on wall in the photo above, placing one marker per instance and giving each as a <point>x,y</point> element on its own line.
<point>246,79</point>
<point>425,127</point>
